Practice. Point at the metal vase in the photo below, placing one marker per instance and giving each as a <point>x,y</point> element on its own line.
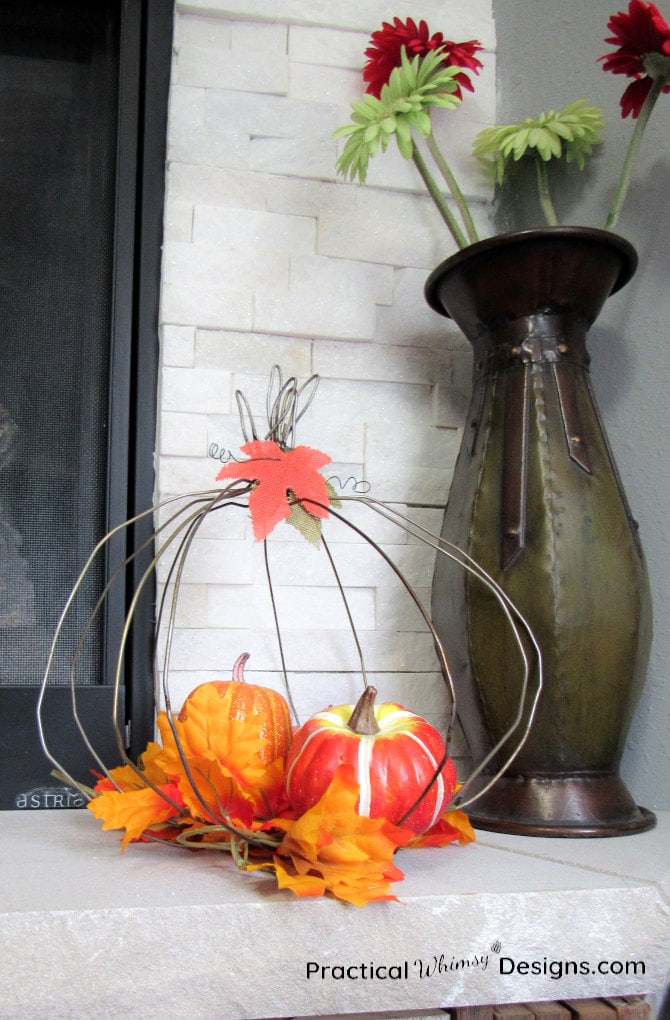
<point>537,500</point>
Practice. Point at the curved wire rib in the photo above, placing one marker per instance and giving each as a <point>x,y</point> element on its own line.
<point>466,562</point>
<point>446,671</point>
<point>211,496</point>
<point>280,643</point>
<point>347,610</point>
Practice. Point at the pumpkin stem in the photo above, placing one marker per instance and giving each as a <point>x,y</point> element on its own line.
<point>363,719</point>
<point>238,668</point>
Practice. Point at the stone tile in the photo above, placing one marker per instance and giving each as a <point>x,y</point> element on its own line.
<point>177,346</point>
<point>327,47</point>
<point>180,474</point>
<point>218,561</point>
<point>291,157</point>
<point>361,567</point>
<point>464,19</point>
<point>247,352</point>
<point>203,305</point>
<point>312,305</point>
<point>379,362</point>
<point>207,266</point>
<point>202,31</point>
<point>182,434</point>
<point>178,222</point>
<point>186,107</point>
<point>409,321</point>
<point>409,483</point>
<point>216,67</point>
<point>298,608</point>
<point>257,231</point>
<point>315,83</point>
<point>217,186</point>
<point>266,116</point>
<point>400,404</point>
<point>419,464</point>
<point>196,390</point>
<point>224,149</point>
<point>383,227</point>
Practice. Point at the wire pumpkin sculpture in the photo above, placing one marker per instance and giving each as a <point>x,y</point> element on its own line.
<point>172,541</point>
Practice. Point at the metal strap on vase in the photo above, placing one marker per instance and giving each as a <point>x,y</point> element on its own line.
<point>520,345</point>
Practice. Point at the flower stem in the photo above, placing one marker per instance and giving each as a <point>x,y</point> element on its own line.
<point>439,200</point>
<point>633,146</point>
<point>453,186</point>
<point>544,193</point>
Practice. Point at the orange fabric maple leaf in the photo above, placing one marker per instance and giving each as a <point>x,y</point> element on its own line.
<point>125,777</point>
<point>277,473</point>
<point>136,810</point>
<point>331,848</point>
<point>452,827</point>
<point>125,801</point>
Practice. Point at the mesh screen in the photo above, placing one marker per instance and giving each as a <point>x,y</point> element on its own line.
<point>58,102</point>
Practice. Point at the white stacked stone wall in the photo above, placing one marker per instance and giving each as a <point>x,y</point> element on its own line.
<point>270,258</point>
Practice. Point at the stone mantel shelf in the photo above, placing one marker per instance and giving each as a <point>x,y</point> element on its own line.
<point>159,933</point>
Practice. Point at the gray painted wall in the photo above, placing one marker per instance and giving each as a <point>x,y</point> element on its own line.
<point>547,54</point>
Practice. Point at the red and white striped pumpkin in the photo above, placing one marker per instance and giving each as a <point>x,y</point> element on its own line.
<point>394,752</point>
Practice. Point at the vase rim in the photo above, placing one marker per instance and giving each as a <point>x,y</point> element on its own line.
<point>472,251</point>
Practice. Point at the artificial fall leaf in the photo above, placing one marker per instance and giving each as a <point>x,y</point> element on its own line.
<point>125,777</point>
<point>452,827</point>
<point>280,472</point>
<point>136,810</point>
<point>332,849</point>
<point>306,523</point>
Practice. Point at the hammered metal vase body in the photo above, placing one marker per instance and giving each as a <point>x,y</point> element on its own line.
<point>536,499</point>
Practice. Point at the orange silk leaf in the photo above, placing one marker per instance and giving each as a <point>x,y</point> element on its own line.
<point>332,849</point>
<point>277,473</point>
<point>134,810</point>
<point>452,827</point>
<point>125,777</point>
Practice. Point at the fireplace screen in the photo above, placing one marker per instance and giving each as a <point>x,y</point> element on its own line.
<point>58,101</point>
<point>69,123</point>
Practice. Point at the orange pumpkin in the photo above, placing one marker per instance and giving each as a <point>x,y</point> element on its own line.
<point>262,708</point>
<point>395,753</point>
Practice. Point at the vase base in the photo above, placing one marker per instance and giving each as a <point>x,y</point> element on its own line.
<point>567,806</point>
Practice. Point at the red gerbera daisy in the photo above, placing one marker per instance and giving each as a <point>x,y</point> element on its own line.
<point>384,52</point>
<point>638,33</point>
